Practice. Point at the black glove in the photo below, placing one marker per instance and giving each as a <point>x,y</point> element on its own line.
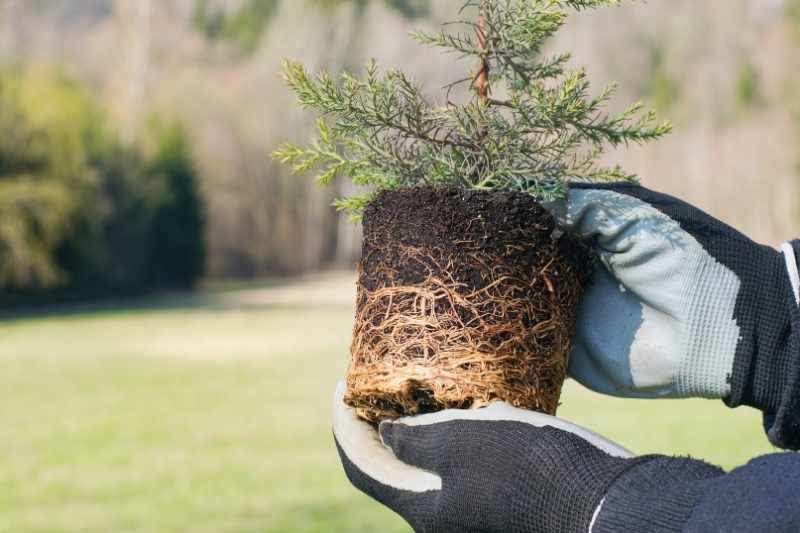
<point>496,469</point>
<point>684,305</point>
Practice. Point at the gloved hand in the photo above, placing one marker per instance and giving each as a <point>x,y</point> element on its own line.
<point>684,306</point>
<point>495,469</point>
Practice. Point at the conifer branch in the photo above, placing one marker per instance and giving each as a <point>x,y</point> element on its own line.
<point>380,131</point>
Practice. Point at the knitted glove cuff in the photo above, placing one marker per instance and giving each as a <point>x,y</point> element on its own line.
<point>658,495</point>
<point>783,424</point>
<point>764,357</point>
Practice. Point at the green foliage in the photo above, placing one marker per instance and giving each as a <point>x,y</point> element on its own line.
<point>661,88</point>
<point>32,223</point>
<point>408,8</point>
<point>144,226</point>
<point>244,26</point>
<point>110,245</point>
<point>47,127</point>
<point>748,86</point>
<point>381,131</point>
<point>80,213</point>
<point>792,10</point>
<point>179,222</point>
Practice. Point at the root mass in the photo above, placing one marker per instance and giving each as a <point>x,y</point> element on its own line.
<point>463,297</point>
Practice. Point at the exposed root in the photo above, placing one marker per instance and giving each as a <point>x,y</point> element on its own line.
<point>499,332</point>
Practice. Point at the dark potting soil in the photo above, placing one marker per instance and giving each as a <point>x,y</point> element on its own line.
<point>471,228</point>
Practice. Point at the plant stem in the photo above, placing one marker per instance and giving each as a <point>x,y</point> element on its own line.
<point>481,82</point>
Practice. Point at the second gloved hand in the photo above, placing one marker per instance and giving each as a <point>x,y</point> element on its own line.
<point>495,469</point>
<point>682,306</point>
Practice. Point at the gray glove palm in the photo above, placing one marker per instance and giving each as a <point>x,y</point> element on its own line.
<point>680,298</point>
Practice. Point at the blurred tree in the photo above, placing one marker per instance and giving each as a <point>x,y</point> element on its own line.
<point>407,8</point>
<point>792,10</point>
<point>748,86</point>
<point>660,87</point>
<point>179,222</point>
<point>110,245</point>
<point>245,24</point>
<point>411,8</point>
<point>144,228</point>
<point>32,223</point>
<point>82,214</point>
<point>46,125</point>
<point>208,21</point>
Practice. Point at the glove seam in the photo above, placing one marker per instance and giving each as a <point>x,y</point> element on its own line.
<point>791,268</point>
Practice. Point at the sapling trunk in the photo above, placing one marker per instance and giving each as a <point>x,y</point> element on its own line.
<point>481,82</point>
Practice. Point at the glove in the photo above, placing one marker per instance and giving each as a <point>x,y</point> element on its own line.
<point>498,468</point>
<point>683,305</point>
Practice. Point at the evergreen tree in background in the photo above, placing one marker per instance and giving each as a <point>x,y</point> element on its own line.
<point>179,223</point>
<point>109,249</point>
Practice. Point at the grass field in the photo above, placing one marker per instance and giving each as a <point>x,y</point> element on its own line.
<point>210,413</point>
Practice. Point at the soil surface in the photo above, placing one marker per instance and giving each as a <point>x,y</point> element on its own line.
<point>461,223</point>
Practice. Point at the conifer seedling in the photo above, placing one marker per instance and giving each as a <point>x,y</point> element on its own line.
<point>464,294</point>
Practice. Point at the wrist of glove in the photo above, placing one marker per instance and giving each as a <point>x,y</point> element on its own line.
<point>771,381</point>
<point>493,469</point>
<point>656,496</point>
<point>761,372</point>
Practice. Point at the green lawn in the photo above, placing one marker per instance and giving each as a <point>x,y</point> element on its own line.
<point>210,413</point>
